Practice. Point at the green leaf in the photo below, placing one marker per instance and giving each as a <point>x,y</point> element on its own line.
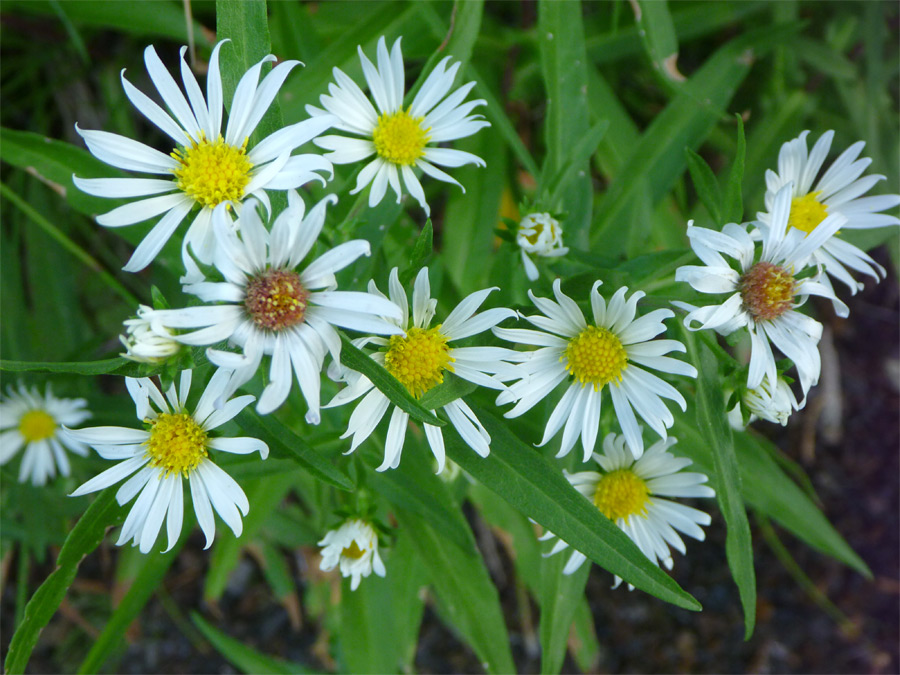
<point>355,359</point>
<point>285,443</point>
<point>705,184</point>
<point>578,158</point>
<point>265,495</point>
<point>532,484</point>
<point>561,595</point>
<point>464,587</point>
<point>451,389</point>
<point>84,538</point>
<point>152,571</point>
<point>658,36</point>
<point>420,253</point>
<point>733,207</point>
<point>242,657</point>
<point>104,367</point>
<point>713,425</point>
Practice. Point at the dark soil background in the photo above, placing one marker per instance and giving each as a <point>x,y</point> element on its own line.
<point>848,441</point>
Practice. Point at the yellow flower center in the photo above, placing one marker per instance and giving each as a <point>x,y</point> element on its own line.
<point>807,212</point>
<point>36,425</point>
<point>621,494</point>
<point>276,300</point>
<point>177,443</point>
<point>212,173</point>
<point>418,359</point>
<point>353,551</point>
<point>767,291</point>
<point>595,356</point>
<point>399,137</point>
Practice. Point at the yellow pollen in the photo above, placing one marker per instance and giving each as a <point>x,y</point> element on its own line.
<point>36,425</point>
<point>595,356</point>
<point>276,299</point>
<point>767,291</point>
<point>621,494</point>
<point>353,551</point>
<point>399,137</point>
<point>418,359</point>
<point>212,173</point>
<point>177,443</point>
<point>807,212</point>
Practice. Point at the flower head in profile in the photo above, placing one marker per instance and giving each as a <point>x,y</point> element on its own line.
<point>630,492</point>
<point>269,304</point>
<point>765,290</point>
<point>353,547</point>
<point>539,234</point>
<point>419,356</point>
<point>401,138</point>
<point>612,352</point>
<point>839,190</point>
<point>173,447</point>
<point>145,345</point>
<point>771,401</point>
<point>203,168</point>
<point>33,420</point>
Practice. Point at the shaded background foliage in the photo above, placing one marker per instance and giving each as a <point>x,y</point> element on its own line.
<point>823,66</point>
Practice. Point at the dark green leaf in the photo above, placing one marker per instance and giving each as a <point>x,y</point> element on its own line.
<point>705,184</point>
<point>733,207</point>
<point>449,390</point>
<point>421,251</point>
<point>561,595</point>
<point>244,658</point>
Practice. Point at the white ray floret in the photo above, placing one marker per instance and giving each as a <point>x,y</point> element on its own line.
<point>614,353</point>
<point>353,548</point>
<point>204,168</point>
<point>764,292</point>
<point>418,357</point>
<point>839,190</point>
<point>631,492</point>
<point>34,421</point>
<point>271,305</point>
<point>401,138</point>
<point>173,447</point>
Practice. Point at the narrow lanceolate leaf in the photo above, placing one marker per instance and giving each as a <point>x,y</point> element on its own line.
<point>561,595</point>
<point>657,31</point>
<point>420,253</point>
<point>117,366</point>
<point>733,205</point>
<point>153,569</point>
<point>286,444</point>
<point>705,184</point>
<point>357,360</point>
<point>246,24</point>
<point>536,487</point>
<point>465,590</point>
<point>713,425</point>
<point>242,657</point>
<point>84,538</point>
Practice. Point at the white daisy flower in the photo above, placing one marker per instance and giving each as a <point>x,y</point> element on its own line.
<point>354,547</point>
<point>270,305</point>
<point>839,190</point>
<point>418,358</point>
<point>764,292</point>
<point>539,234</point>
<point>610,351</point>
<point>143,344</point>
<point>174,446</point>
<point>204,168</point>
<point>773,403</point>
<point>628,491</point>
<point>33,420</point>
<point>400,138</point>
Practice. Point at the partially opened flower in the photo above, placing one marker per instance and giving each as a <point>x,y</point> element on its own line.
<point>764,292</point>
<point>609,353</point>
<point>173,447</point>
<point>353,547</point>
<point>771,401</point>
<point>540,234</point>
<point>839,190</point>
<point>34,420</point>
<point>145,345</point>
<point>270,305</point>
<point>630,493</point>
<point>401,138</point>
<point>418,357</point>
<point>204,168</point>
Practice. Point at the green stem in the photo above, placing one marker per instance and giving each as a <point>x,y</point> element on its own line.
<point>68,244</point>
